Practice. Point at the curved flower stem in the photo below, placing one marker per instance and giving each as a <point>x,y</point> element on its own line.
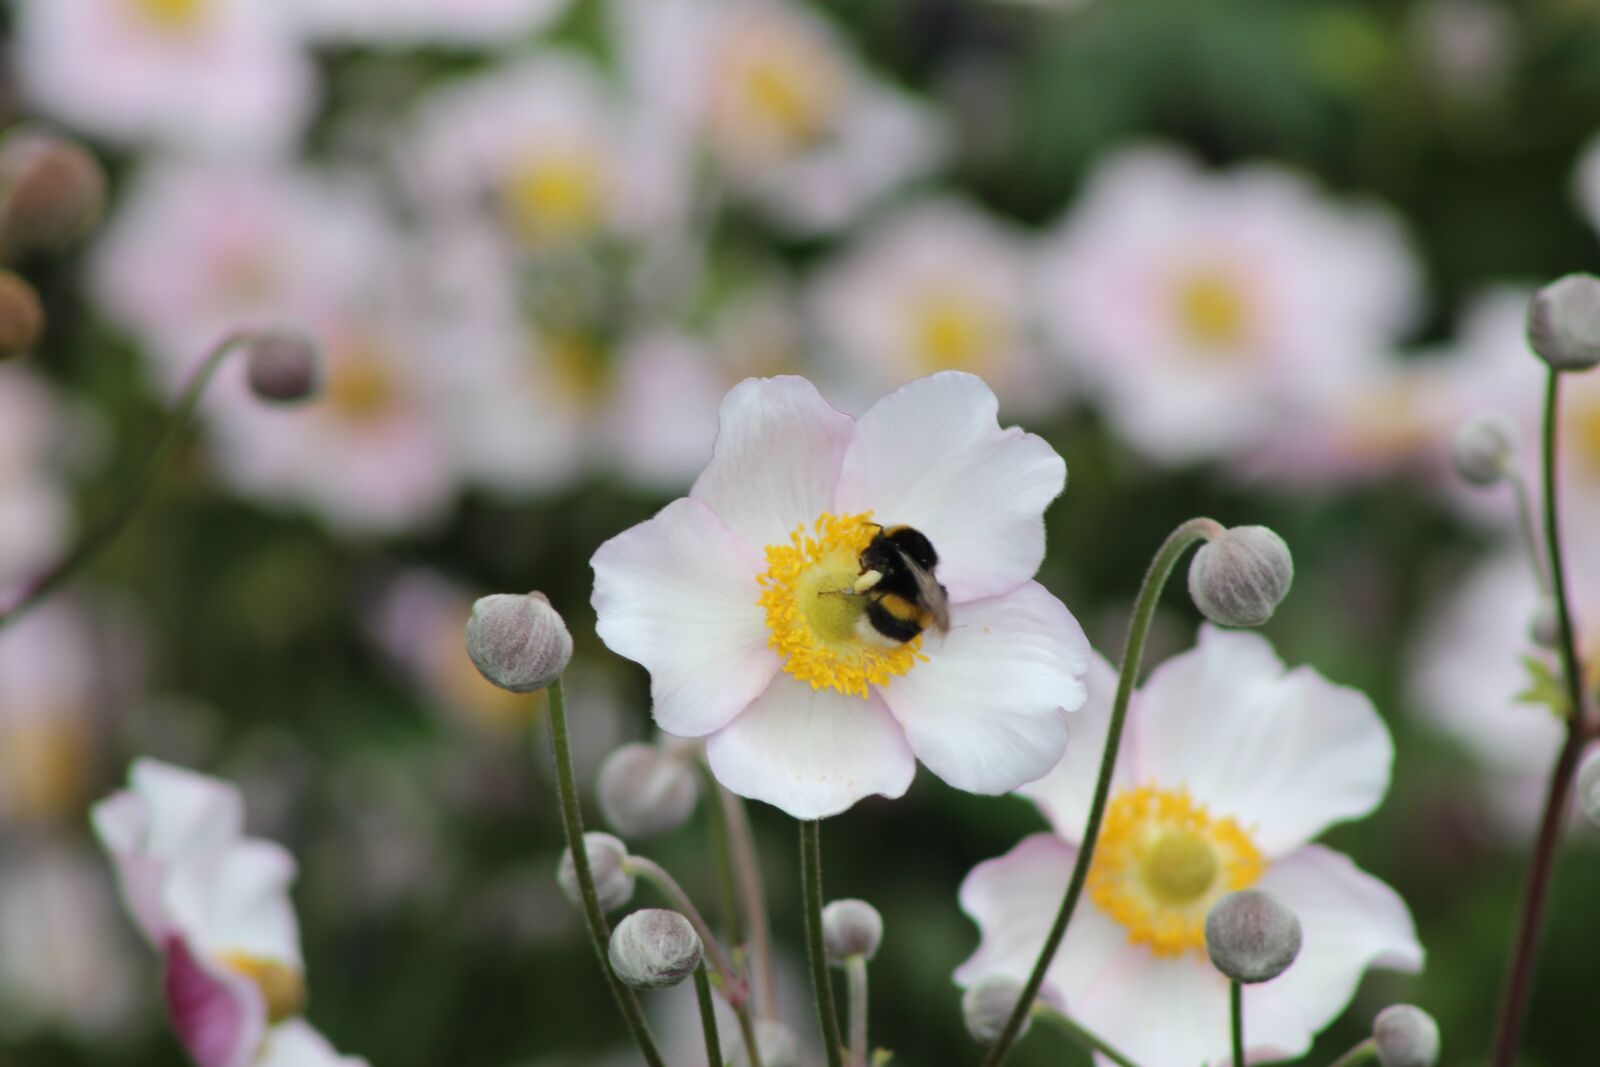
<point>1236,1019</point>
<point>1088,1040</point>
<point>821,982</point>
<point>747,873</point>
<point>1525,948</point>
<point>732,984</point>
<point>599,929</point>
<point>722,850</point>
<point>708,1017</point>
<point>856,972</point>
<point>747,1033</point>
<point>101,534</point>
<point>1144,607</point>
<point>1366,1050</point>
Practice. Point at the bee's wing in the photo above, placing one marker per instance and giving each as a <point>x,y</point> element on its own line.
<point>930,593</point>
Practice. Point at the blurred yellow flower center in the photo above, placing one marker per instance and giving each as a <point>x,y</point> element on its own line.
<point>171,14</point>
<point>780,89</point>
<point>281,986</point>
<point>560,196</point>
<point>1583,420</point>
<point>1161,863</point>
<point>812,623</point>
<point>44,765</point>
<point>360,387</point>
<point>952,332</point>
<point>1211,310</point>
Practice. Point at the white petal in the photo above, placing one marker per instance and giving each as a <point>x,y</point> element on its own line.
<point>1286,754</point>
<point>1350,921</point>
<point>678,594</point>
<point>812,752</point>
<point>987,710</point>
<point>296,1044</point>
<point>776,459</point>
<point>1159,1011</point>
<point>239,903</point>
<point>932,455</point>
<point>1064,794</point>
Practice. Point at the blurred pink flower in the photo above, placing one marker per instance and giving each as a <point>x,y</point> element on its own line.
<point>422,22</point>
<point>35,512</point>
<point>1231,766</point>
<point>1209,311</point>
<point>1586,182</point>
<point>49,670</point>
<point>220,77</point>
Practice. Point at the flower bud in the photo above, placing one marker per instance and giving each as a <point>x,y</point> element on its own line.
<point>1240,577</point>
<point>987,1005</point>
<point>519,643</point>
<point>1564,322</point>
<point>21,316</point>
<point>608,864</point>
<point>1406,1036</point>
<point>1545,626</point>
<point>776,1043</point>
<point>282,367</point>
<point>51,191</point>
<point>1482,449</point>
<point>851,928</point>
<point>644,791</point>
<point>1589,787</point>
<point>1251,937</point>
<point>655,949</point>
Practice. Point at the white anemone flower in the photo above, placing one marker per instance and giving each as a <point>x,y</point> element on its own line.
<point>220,77</point>
<point>1210,311</point>
<point>216,905</point>
<point>1586,182</point>
<point>424,22</point>
<point>49,675</point>
<point>1230,767</point>
<point>736,599</point>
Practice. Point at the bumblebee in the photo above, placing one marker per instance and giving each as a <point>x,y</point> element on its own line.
<point>903,597</point>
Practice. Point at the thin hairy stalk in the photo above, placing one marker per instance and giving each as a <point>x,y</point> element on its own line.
<point>747,872</point>
<point>1529,530</point>
<point>1525,947</point>
<point>708,1017</point>
<point>1236,1020</point>
<point>1144,608</point>
<point>1362,1053</point>
<point>722,850</point>
<point>595,918</point>
<point>855,970</point>
<point>733,988</point>
<point>821,982</point>
<point>104,531</point>
<point>1086,1039</point>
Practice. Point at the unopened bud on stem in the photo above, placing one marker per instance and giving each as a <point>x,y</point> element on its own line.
<point>1251,937</point>
<point>21,316</point>
<point>51,191</point>
<point>519,643</point>
<point>851,928</point>
<point>644,790</point>
<point>1241,576</point>
<point>608,865</point>
<point>1545,626</point>
<point>282,367</point>
<point>655,949</point>
<point>1564,322</point>
<point>1483,449</point>
<point>1405,1036</point>
<point>986,1008</point>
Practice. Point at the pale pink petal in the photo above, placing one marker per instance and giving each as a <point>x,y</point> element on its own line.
<point>677,594</point>
<point>1159,1011</point>
<point>1286,754</point>
<point>932,455</point>
<point>219,1016</point>
<point>297,1044</point>
<point>776,459</point>
<point>237,902</point>
<point>988,709</point>
<point>1064,794</point>
<point>812,752</point>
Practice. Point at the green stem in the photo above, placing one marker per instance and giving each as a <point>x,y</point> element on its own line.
<point>599,929</point>
<point>821,982</point>
<point>747,1033</point>
<point>97,537</point>
<point>747,873</point>
<point>1085,1038</point>
<point>658,876</point>
<point>1144,607</point>
<point>708,1017</point>
<point>722,850</point>
<point>1530,532</point>
<point>1362,1053</point>
<point>1236,1014</point>
<point>856,973</point>
<point>1525,948</point>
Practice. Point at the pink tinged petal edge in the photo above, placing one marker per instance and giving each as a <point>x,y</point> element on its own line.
<point>1066,792</point>
<point>775,463</point>
<point>987,711</point>
<point>119,822</point>
<point>812,752</point>
<point>932,455</point>
<point>677,594</point>
<point>296,1044</point>
<point>1287,754</point>
<point>1160,1011</point>
<point>219,1017</point>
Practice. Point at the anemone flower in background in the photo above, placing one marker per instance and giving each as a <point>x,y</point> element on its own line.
<point>1586,182</point>
<point>732,598</point>
<point>35,513</point>
<point>215,905</point>
<point>217,77</point>
<point>49,671</point>
<point>1209,311</point>
<point>486,23</point>
<point>1230,768</point>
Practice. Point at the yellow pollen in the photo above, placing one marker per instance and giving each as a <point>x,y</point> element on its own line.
<point>360,388</point>
<point>281,986</point>
<point>952,332</point>
<point>814,628</point>
<point>561,196</point>
<point>171,14</point>
<point>1211,310</point>
<point>1161,863</point>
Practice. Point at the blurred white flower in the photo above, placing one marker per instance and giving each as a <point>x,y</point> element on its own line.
<point>48,674</point>
<point>789,115</point>
<point>35,513</point>
<point>1210,311</point>
<point>725,596</point>
<point>936,285</point>
<point>221,77</point>
<point>488,23</point>
<point>1230,767</point>
<point>1586,182</point>
<point>216,905</point>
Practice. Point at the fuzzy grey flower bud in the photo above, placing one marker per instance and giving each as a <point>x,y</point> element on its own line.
<point>1564,322</point>
<point>1483,448</point>
<point>1545,626</point>
<point>644,790</point>
<point>851,928</point>
<point>776,1043</point>
<point>608,863</point>
<point>282,367</point>
<point>1406,1036</point>
<point>655,949</point>
<point>519,643</point>
<point>987,1005</point>
<point>1251,937</point>
<point>51,190</point>
<point>1589,787</point>
<point>21,316</point>
<point>1240,577</point>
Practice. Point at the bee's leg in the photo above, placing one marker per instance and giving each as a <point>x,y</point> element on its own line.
<point>868,580</point>
<point>837,592</point>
